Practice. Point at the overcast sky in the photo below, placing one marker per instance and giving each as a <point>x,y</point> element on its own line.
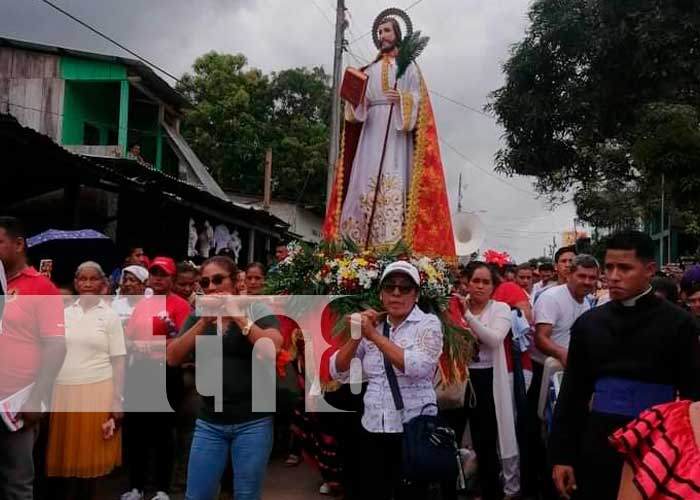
<point>470,40</point>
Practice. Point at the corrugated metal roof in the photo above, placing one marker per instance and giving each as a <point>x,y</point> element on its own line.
<point>154,82</point>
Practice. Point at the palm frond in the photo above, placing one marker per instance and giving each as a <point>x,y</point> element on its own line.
<point>409,49</point>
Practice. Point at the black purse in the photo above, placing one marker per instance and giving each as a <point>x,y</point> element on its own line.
<point>429,451</point>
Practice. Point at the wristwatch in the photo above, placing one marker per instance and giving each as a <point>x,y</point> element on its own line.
<point>246,329</point>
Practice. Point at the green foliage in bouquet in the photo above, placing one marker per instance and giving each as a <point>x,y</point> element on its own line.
<point>344,270</point>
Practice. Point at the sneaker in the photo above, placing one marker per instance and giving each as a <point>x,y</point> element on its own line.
<point>292,460</point>
<point>325,489</point>
<point>161,495</point>
<point>132,495</point>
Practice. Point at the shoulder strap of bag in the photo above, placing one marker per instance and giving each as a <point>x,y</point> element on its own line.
<point>391,374</point>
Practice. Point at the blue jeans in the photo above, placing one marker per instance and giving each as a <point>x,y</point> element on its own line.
<point>249,445</point>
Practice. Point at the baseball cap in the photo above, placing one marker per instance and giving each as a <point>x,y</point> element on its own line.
<point>141,273</point>
<point>403,267</point>
<point>165,263</point>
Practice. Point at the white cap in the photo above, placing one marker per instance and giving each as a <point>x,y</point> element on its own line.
<point>141,273</point>
<point>401,266</point>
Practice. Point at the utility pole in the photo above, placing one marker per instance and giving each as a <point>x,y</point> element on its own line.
<point>267,188</point>
<point>340,25</point>
<point>661,238</point>
<point>553,248</point>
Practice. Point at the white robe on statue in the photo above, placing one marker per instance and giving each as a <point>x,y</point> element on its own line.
<point>390,212</point>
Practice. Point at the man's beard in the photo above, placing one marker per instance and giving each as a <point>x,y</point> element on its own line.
<point>387,47</point>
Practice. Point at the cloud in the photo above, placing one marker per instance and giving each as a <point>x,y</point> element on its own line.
<point>470,41</point>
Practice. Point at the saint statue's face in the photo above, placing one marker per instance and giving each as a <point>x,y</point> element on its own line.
<point>387,37</point>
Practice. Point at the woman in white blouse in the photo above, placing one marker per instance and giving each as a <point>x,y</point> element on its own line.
<point>491,419</point>
<point>412,350</point>
<point>84,442</point>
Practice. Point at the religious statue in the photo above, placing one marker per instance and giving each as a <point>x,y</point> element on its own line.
<point>206,240</point>
<point>222,238</point>
<point>235,245</point>
<point>192,241</point>
<point>389,181</point>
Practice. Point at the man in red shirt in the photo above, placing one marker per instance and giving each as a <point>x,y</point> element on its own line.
<point>32,349</point>
<point>154,321</point>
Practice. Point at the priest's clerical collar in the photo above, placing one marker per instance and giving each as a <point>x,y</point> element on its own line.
<point>633,301</point>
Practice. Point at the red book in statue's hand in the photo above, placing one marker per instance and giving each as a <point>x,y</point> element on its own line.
<point>354,86</point>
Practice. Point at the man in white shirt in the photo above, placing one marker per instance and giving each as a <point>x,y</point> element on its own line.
<point>558,307</point>
<point>546,272</point>
<point>562,266</point>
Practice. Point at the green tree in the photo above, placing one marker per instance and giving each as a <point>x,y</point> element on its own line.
<point>602,98</point>
<point>238,112</point>
<point>300,135</point>
<point>228,125</point>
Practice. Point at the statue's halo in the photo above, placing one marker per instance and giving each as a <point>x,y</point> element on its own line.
<point>395,13</point>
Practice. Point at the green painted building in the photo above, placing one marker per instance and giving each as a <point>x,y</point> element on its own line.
<point>99,105</point>
<point>68,124</point>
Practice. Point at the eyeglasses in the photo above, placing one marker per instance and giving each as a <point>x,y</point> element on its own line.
<point>403,289</point>
<point>215,280</point>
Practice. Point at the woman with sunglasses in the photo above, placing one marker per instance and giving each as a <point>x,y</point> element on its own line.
<point>491,419</point>
<point>237,432</point>
<point>411,341</point>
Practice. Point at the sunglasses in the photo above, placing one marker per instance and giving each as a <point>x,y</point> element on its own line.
<point>215,280</point>
<point>403,289</point>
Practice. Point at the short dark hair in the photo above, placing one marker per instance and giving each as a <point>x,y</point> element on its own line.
<point>586,261</point>
<point>510,268</point>
<point>12,226</point>
<point>546,266</point>
<point>223,262</point>
<point>523,267</point>
<point>666,286</point>
<point>563,250</point>
<point>186,267</point>
<point>133,247</point>
<point>473,266</point>
<point>258,265</point>
<point>641,243</point>
<point>692,289</point>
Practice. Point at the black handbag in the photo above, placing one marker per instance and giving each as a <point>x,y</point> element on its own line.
<point>429,451</point>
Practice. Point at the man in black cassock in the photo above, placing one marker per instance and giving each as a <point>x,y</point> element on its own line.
<point>632,353</point>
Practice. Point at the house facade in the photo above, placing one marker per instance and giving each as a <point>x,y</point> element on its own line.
<point>96,108</point>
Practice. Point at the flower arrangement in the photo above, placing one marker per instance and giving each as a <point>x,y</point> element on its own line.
<point>343,269</point>
<point>499,258</point>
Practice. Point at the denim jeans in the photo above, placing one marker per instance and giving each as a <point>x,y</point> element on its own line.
<point>249,444</point>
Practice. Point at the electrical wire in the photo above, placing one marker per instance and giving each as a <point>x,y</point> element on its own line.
<point>487,172</point>
<point>110,39</point>
<point>322,12</point>
<point>461,104</point>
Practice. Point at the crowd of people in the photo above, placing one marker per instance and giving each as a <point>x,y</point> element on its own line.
<point>110,364</point>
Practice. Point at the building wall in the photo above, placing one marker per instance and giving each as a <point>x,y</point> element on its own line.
<point>91,103</point>
<point>31,89</point>
<point>301,221</point>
